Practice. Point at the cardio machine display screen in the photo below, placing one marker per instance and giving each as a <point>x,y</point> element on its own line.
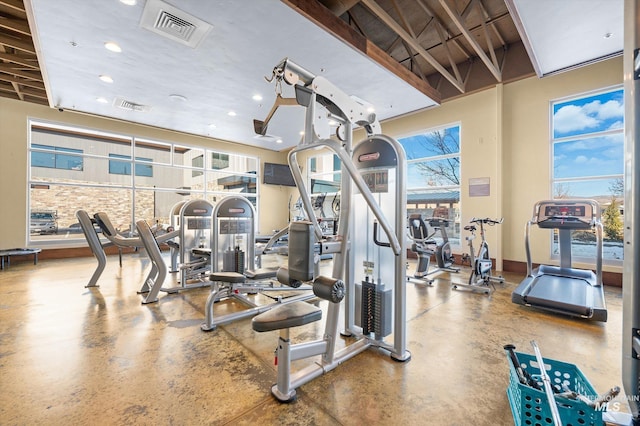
<point>565,210</point>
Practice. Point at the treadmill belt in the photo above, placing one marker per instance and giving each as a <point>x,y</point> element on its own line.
<point>568,294</point>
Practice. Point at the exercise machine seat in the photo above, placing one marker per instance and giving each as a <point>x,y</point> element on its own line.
<point>286,316</point>
<point>227,277</point>
<point>260,274</point>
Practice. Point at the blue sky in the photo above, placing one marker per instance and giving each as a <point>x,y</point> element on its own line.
<point>421,146</point>
<point>588,115</point>
<point>586,151</point>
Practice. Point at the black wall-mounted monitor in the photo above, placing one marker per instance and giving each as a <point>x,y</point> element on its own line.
<point>277,174</point>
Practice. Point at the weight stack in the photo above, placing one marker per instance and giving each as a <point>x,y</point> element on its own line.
<point>373,309</point>
<point>233,261</point>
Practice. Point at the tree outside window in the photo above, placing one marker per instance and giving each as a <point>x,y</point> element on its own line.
<point>433,183</point>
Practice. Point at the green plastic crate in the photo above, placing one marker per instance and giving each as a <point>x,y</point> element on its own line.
<point>529,406</point>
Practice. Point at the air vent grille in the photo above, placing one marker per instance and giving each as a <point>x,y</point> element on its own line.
<point>130,106</point>
<point>173,23</point>
<point>175,26</point>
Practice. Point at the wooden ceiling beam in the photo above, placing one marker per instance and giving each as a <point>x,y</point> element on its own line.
<point>18,43</point>
<point>458,21</point>
<point>13,8</point>
<point>30,61</point>
<point>28,83</point>
<point>323,17</point>
<point>18,25</point>
<point>31,75</point>
<point>397,28</point>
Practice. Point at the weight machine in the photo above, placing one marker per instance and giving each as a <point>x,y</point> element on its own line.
<point>233,265</point>
<point>196,239</point>
<point>376,167</point>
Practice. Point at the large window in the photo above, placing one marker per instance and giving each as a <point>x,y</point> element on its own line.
<point>74,169</point>
<point>324,186</point>
<point>56,157</point>
<point>433,176</point>
<point>119,167</point>
<point>587,141</point>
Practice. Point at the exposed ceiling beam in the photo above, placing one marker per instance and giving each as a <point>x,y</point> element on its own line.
<point>323,17</point>
<point>28,83</point>
<point>397,28</point>
<point>19,72</point>
<point>19,44</point>
<point>18,25</point>
<point>432,14</point>
<point>338,7</point>
<point>25,61</point>
<point>457,20</point>
<point>13,7</point>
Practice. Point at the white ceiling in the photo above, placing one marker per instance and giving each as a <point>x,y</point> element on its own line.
<point>221,74</point>
<point>560,34</point>
<point>247,39</point>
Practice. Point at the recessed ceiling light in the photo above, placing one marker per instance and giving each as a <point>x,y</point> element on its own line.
<point>102,100</point>
<point>177,98</point>
<point>232,113</point>
<point>301,133</point>
<point>257,97</point>
<point>106,78</point>
<point>113,46</point>
<point>129,2</point>
<point>279,141</point>
<point>212,126</point>
<point>371,109</point>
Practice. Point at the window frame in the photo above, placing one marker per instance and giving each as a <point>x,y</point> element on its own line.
<point>584,138</point>
<point>174,156</point>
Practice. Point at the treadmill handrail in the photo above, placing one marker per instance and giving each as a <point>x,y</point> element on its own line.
<point>527,248</point>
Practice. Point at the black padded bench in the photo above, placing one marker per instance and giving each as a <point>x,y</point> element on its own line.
<point>6,254</point>
<point>227,277</point>
<point>260,274</point>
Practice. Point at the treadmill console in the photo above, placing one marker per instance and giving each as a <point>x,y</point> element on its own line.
<point>565,214</point>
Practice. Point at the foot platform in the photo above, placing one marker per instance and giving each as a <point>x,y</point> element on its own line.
<point>286,316</point>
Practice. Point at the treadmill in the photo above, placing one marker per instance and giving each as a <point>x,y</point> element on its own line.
<point>563,289</point>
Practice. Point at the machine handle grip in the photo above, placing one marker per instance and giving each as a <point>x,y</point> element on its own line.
<point>375,236</point>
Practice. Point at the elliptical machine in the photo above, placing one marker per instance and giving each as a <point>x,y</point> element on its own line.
<point>481,263</point>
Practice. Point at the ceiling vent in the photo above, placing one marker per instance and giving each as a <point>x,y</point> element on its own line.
<point>130,106</point>
<point>173,23</point>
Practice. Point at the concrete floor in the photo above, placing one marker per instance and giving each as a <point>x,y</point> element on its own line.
<point>71,355</point>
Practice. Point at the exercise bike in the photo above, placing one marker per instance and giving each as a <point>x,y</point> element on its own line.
<point>443,254</point>
<point>481,264</point>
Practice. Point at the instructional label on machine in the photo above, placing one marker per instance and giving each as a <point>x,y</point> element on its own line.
<point>242,226</point>
<point>377,181</point>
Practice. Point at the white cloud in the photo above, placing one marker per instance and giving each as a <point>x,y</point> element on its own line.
<point>571,117</point>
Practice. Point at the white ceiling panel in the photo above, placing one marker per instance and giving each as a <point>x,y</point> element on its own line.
<point>221,74</point>
<point>561,34</point>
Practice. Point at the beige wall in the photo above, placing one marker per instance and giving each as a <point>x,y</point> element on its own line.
<point>505,136</point>
<point>14,116</point>
<point>504,132</point>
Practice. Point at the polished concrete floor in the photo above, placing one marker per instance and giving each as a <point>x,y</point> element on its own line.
<point>76,356</point>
